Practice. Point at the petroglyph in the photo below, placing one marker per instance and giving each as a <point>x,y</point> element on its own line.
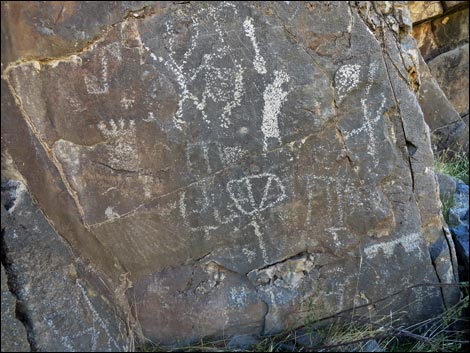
<point>238,296</point>
<point>250,254</point>
<point>232,155</point>
<point>121,144</point>
<point>261,243</point>
<point>98,84</point>
<point>346,79</point>
<point>371,118</point>
<point>409,243</point>
<point>259,63</point>
<point>241,192</point>
<point>99,322</point>
<point>99,327</point>
<point>222,84</point>
<point>274,96</point>
<point>203,207</point>
<point>368,124</point>
<point>203,158</point>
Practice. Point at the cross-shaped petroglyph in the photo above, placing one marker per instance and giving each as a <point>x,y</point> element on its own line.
<point>241,192</point>
<point>346,79</point>
<point>272,191</point>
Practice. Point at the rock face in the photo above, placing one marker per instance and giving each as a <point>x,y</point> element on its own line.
<point>458,223</point>
<point>451,72</point>
<point>454,192</point>
<point>14,337</point>
<point>240,162</point>
<point>56,299</point>
<point>441,31</point>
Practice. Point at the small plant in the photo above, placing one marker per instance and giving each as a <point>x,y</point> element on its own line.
<point>453,164</point>
<point>447,204</point>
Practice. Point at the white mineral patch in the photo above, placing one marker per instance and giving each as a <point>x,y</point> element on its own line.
<point>274,96</point>
<point>409,243</point>
<point>109,213</point>
<point>259,63</point>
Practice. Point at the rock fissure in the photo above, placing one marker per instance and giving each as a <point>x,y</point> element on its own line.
<point>397,103</point>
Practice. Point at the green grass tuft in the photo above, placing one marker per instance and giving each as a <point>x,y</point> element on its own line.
<point>447,204</point>
<point>453,164</point>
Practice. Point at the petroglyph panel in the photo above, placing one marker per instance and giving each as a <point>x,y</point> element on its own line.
<point>204,142</point>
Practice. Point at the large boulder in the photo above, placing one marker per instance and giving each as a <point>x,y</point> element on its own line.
<point>448,130</point>
<point>450,70</point>
<point>441,32</point>
<point>239,163</point>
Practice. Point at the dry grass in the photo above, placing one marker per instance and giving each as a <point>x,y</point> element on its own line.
<point>446,332</point>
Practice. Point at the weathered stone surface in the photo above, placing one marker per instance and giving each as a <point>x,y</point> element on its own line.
<point>458,223</point>
<point>426,40</point>
<point>448,130</point>
<point>39,30</point>
<point>423,10</point>
<point>189,302</point>
<point>14,338</point>
<point>451,71</point>
<point>240,161</point>
<point>449,5</point>
<point>57,301</point>
<point>442,34</point>
<point>451,30</point>
<point>447,186</point>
